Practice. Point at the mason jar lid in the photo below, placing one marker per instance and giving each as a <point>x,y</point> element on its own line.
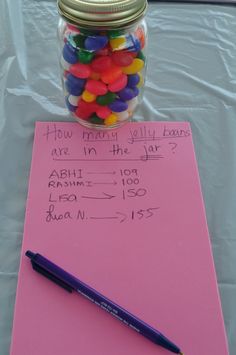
<point>102,13</point>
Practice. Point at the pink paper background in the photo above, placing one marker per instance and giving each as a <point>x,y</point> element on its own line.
<point>159,268</point>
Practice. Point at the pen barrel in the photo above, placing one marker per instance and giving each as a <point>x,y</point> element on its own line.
<point>127,318</point>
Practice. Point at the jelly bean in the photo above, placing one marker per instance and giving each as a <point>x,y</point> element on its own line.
<point>81,70</point>
<point>126,94</point>
<point>133,80</point>
<point>73,89</point>
<point>70,107</point>
<point>133,68</point>
<point>69,53</point>
<point>73,28</point>
<point>118,105</point>
<point>141,81</point>
<point>135,91</point>
<point>76,81</point>
<point>106,99</point>
<point>119,84</point>
<point>96,120</point>
<point>95,43</point>
<point>118,43</point>
<point>85,109</point>
<point>115,33</point>
<point>111,75</point>
<point>103,112</point>
<point>96,87</point>
<point>85,57</point>
<point>79,41</point>
<point>140,55</point>
<point>88,96</point>
<point>111,119</point>
<point>103,51</point>
<point>122,58</point>
<point>136,44</point>
<point>73,100</point>
<point>65,65</point>
<point>132,104</point>
<point>141,36</point>
<point>101,64</point>
<point>94,75</point>
<point>122,116</point>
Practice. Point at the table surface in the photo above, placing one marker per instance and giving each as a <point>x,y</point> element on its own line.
<point>191,77</point>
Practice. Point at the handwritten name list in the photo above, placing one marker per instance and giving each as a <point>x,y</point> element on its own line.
<point>124,175</point>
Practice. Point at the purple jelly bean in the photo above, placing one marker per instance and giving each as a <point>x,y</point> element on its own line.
<point>73,89</point>
<point>95,43</point>
<point>126,94</point>
<point>135,91</point>
<point>133,80</point>
<point>118,106</point>
<point>69,54</point>
<point>76,81</point>
<point>70,107</point>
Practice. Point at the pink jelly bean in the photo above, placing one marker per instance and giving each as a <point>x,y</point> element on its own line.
<point>80,70</point>
<point>122,58</point>
<point>101,64</point>
<point>73,28</point>
<point>111,75</point>
<point>96,87</point>
<point>119,84</point>
<point>103,112</point>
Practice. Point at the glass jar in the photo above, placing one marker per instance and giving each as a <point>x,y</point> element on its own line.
<point>102,59</point>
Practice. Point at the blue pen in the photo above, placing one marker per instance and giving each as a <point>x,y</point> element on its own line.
<point>71,283</point>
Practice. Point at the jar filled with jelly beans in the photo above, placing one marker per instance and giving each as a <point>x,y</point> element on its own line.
<point>102,59</point>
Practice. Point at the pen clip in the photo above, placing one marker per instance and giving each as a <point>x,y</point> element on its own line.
<point>51,277</point>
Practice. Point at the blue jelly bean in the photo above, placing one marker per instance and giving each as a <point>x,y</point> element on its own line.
<point>70,107</point>
<point>126,94</point>
<point>118,106</point>
<point>73,89</point>
<point>95,43</point>
<point>133,43</point>
<point>135,91</point>
<point>76,81</point>
<point>69,53</point>
<point>133,80</point>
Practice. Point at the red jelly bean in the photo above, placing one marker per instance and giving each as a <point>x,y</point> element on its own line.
<point>119,84</point>
<point>96,87</point>
<point>86,109</point>
<point>101,64</point>
<point>122,58</point>
<point>111,75</point>
<point>103,52</point>
<point>80,70</point>
<point>103,112</point>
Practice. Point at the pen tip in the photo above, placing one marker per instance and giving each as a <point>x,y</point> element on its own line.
<point>181,353</point>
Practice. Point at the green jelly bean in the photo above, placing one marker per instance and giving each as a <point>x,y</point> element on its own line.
<point>115,33</point>
<point>85,57</point>
<point>106,99</point>
<point>79,40</point>
<point>140,55</point>
<point>86,32</point>
<point>96,120</point>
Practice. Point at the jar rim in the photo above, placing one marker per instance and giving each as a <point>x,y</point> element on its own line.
<point>102,13</point>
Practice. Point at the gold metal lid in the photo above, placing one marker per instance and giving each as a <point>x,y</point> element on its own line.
<point>102,13</point>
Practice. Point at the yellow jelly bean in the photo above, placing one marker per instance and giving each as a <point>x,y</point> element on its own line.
<point>88,97</point>
<point>117,43</point>
<point>141,81</point>
<point>111,119</point>
<point>134,67</point>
